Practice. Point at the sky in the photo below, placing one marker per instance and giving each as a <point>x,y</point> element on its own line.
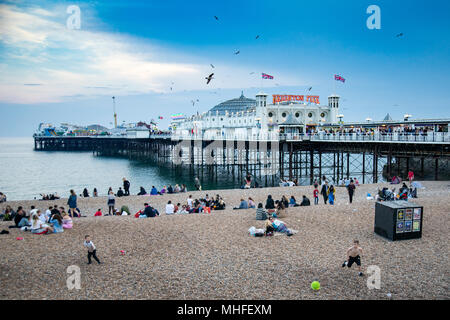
<point>153,56</point>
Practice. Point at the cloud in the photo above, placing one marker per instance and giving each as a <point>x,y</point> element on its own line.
<point>40,49</point>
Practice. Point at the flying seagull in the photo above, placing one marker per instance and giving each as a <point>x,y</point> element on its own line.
<point>237,52</point>
<point>399,35</point>
<point>209,78</point>
<point>309,88</point>
<point>251,72</point>
<point>215,17</point>
<point>193,102</point>
<point>257,37</point>
<point>212,65</point>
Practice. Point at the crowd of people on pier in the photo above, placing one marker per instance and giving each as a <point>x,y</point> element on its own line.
<point>417,130</point>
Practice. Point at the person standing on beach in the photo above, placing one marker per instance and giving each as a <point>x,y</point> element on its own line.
<point>324,192</point>
<point>331,194</point>
<point>72,202</point>
<point>126,186</point>
<point>316,195</point>
<point>92,251</point>
<point>410,176</point>
<point>354,254</point>
<point>111,203</point>
<point>351,190</point>
<point>197,184</point>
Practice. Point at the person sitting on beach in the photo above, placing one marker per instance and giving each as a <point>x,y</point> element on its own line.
<point>183,210</point>
<point>149,211</point>
<point>2,197</point>
<point>220,205</point>
<point>95,193</point>
<point>142,192</point>
<point>154,192</point>
<point>356,181</point>
<point>85,193</point>
<point>305,201</point>
<point>293,202</point>
<point>98,213</point>
<point>21,219</point>
<point>281,210</point>
<point>67,221</point>
<point>37,226</point>
<point>124,210</point>
<point>170,208</point>
<point>163,190</point>
<point>176,189</point>
<point>197,207</point>
<point>261,214</point>
<point>251,203</point>
<point>170,189</point>
<point>183,188</point>
<point>8,214</point>
<point>285,201</point>
<point>120,192</point>
<point>270,204</point>
<point>57,224</point>
<point>76,213</point>
<point>242,205</point>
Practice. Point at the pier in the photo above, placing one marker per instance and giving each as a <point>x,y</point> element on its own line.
<point>273,156</point>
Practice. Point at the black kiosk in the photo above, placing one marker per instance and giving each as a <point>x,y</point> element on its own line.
<point>398,220</point>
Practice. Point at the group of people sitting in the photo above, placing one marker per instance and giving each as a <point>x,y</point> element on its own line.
<point>201,205</point>
<point>404,193</point>
<point>165,189</point>
<point>53,220</point>
<point>50,196</point>
<point>346,182</point>
<point>287,183</point>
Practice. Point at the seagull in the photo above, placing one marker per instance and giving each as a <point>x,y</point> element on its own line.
<point>237,52</point>
<point>257,37</point>
<point>215,17</point>
<point>251,72</point>
<point>399,35</point>
<point>309,88</point>
<point>193,102</point>
<point>209,78</point>
<point>211,65</point>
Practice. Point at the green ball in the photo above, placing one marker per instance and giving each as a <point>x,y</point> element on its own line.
<point>315,285</point>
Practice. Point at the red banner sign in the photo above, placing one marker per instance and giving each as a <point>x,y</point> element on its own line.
<point>283,97</point>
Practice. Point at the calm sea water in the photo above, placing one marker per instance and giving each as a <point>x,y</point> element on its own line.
<point>25,173</point>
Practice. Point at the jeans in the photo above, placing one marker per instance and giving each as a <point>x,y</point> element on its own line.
<point>24,223</point>
<point>92,254</point>
<point>316,200</point>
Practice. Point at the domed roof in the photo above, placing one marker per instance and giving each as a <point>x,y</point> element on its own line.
<point>234,105</point>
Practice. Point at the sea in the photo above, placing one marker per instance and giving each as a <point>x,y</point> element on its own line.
<point>25,174</point>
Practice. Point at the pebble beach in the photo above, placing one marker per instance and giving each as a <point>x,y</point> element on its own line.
<point>212,256</point>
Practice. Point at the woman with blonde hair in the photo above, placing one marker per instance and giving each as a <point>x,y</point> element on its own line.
<point>37,226</point>
<point>67,222</point>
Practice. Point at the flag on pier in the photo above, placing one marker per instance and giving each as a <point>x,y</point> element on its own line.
<point>338,78</point>
<point>267,76</point>
<point>160,117</point>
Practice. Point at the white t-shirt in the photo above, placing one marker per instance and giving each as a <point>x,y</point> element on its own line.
<point>170,208</point>
<point>189,201</point>
<point>37,224</point>
<point>90,245</point>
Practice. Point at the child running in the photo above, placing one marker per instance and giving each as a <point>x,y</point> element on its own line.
<point>92,252</point>
<point>354,254</point>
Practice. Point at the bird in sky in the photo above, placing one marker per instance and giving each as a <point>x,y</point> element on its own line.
<point>212,65</point>
<point>209,78</point>
<point>193,102</point>
<point>237,52</point>
<point>399,35</point>
<point>257,37</point>
<point>215,17</point>
<point>251,72</point>
<point>309,88</point>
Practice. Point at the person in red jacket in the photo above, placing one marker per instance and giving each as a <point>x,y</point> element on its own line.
<point>98,213</point>
<point>316,195</point>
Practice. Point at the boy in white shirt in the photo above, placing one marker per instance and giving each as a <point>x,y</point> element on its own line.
<point>92,252</point>
<point>189,201</point>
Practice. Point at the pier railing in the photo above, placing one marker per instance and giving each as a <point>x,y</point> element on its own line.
<point>432,137</point>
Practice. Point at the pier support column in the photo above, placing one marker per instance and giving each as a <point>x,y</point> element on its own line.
<point>290,162</point>
<point>311,167</point>
<point>436,169</point>
<point>363,167</point>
